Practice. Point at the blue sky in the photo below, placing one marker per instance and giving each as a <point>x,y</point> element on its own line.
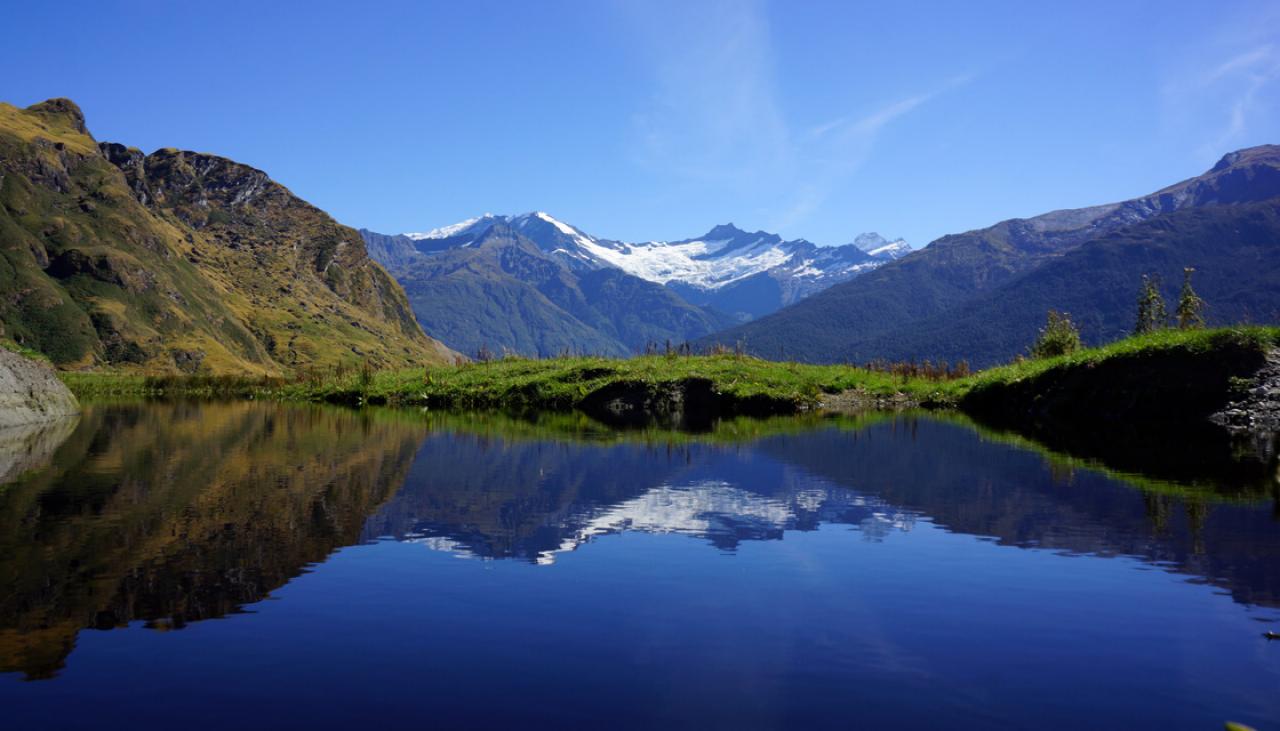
<point>656,120</point>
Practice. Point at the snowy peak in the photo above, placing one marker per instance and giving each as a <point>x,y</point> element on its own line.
<point>723,257</point>
<point>475,225</point>
<point>870,240</point>
<point>543,228</point>
<point>878,247</point>
<point>724,232</point>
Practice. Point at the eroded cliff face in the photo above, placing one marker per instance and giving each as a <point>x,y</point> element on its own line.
<point>30,393</point>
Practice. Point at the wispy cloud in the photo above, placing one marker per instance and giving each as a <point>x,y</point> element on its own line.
<point>715,117</point>
<point>1233,75</point>
<point>1247,77</point>
<point>835,150</point>
<point>873,122</point>
<point>714,112</point>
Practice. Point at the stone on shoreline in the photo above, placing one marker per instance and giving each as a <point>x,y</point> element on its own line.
<point>30,392</point>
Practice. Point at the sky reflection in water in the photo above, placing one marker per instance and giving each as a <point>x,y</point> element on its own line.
<point>831,573</point>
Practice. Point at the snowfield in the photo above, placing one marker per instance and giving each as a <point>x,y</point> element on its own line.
<point>724,256</point>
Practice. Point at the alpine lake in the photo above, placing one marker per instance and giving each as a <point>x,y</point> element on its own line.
<point>186,564</point>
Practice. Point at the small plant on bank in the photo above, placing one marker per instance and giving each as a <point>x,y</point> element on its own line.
<point>1190,311</point>
<point>366,376</point>
<point>1059,336</point>
<point>1152,313</point>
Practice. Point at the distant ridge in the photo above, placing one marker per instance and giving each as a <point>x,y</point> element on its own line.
<point>735,273</point>
<point>982,295</point>
<point>494,289</point>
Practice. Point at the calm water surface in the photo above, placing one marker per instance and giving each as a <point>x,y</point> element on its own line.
<point>246,565</point>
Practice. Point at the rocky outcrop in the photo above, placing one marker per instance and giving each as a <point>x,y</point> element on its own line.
<point>1258,409</point>
<point>690,403</point>
<point>30,392</point>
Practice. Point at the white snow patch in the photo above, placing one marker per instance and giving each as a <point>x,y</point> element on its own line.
<point>701,263</point>
<point>445,232</point>
<point>893,249</point>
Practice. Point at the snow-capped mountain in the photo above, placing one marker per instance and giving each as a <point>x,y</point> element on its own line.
<point>878,247</point>
<point>741,273</point>
<point>720,512</point>
<point>526,286</point>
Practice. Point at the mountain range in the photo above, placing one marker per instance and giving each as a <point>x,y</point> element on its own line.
<point>181,261</point>
<point>534,285</point>
<point>981,296</point>
<point>501,293</point>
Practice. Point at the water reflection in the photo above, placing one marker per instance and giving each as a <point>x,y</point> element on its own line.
<point>28,447</point>
<point>480,495</point>
<point>171,513</point>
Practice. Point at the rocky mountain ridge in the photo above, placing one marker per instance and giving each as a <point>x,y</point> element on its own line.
<point>743,274</point>
<point>181,261</point>
<point>501,292</point>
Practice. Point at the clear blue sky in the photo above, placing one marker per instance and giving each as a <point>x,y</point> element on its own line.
<point>653,119</point>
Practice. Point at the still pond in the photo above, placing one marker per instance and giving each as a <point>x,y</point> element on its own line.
<point>243,565</point>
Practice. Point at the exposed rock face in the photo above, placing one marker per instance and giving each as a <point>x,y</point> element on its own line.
<point>1258,410</point>
<point>30,392</point>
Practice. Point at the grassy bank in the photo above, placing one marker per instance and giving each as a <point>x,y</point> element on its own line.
<point>1151,345</point>
<point>563,384</point>
<point>516,383</point>
<point>1159,380</point>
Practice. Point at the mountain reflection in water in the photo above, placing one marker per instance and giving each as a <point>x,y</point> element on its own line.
<point>169,513</point>
<point>482,495</point>
<point>172,513</point>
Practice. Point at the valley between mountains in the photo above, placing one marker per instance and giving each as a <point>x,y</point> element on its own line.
<point>185,262</point>
<point>533,285</point>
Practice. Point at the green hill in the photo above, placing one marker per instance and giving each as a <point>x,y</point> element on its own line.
<point>1235,251</point>
<point>180,261</point>
<point>981,295</point>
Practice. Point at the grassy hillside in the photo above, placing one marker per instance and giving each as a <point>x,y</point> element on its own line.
<point>180,262</point>
<point>977,294</point>
<point>1234,251</point>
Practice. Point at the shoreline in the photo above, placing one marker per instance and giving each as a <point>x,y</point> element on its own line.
<point>1171,378</point>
